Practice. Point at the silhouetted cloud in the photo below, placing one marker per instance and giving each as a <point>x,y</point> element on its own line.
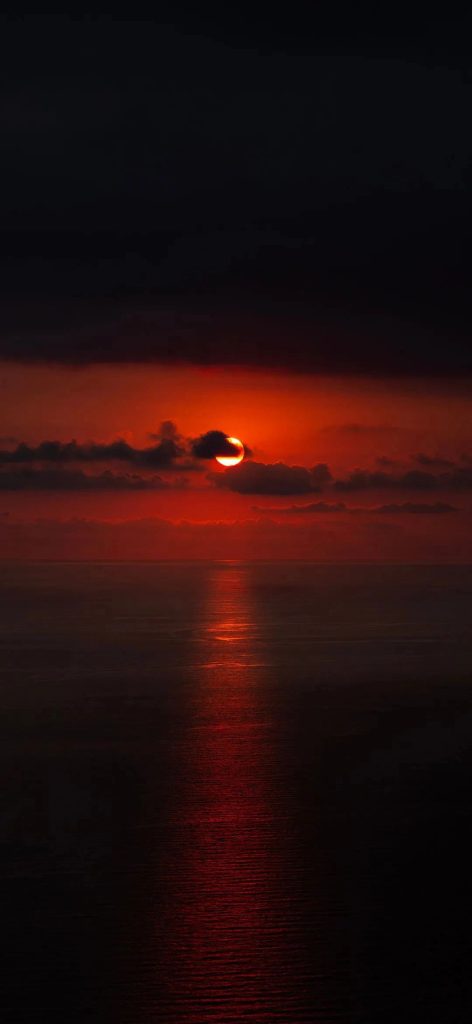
<point>418,508</point>
<point>309,340</point>
<point>329,508</point>
<point>364,479</point>
<point>320,475</point>
<point>278,478</point>
<point>171,451</point>
<point>386,462</point>
<point>167,432</point>
<point>459,478</point>
<point>432,461</point>
<point>164,454</point>
<point>211,444</point>
<point>33,479</point>
<point>274,478</point>
<point>314,508</point>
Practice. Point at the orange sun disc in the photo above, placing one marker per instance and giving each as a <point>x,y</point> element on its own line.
<point>232,460</point>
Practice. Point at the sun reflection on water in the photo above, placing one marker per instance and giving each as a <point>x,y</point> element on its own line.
<point>227,939</point>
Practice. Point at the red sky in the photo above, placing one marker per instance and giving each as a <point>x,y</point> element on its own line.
<point>371,424</point>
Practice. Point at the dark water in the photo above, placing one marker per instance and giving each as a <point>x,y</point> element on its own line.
<point>236,792</point>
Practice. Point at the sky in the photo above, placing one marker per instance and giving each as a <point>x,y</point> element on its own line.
<point>215,227</point>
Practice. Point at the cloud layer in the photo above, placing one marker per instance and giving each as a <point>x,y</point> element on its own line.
<point>45,465</point>
<point>50,463</point>
<point>457,479</point>
<point>211,444</point>
<point>295,216</point>
<point>165,453</point>
<point>76,480</point>
<point>327,508</point>
<point>275,478</point>
<point>278,478</point>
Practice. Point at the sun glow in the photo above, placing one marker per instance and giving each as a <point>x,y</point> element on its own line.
<point>232,460</point>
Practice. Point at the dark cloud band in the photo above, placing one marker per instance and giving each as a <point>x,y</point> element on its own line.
<point>327,508</point>
<point>171,451</point>
<point>76,480</point>
<point>277,478</point>
<point>211,444</point>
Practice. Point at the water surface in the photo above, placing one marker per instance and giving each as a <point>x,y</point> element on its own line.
<point>236,792</point>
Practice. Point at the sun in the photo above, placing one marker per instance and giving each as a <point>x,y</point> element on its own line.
<point>232,460</point>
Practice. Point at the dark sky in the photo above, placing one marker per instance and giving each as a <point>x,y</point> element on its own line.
<point>213,187</point>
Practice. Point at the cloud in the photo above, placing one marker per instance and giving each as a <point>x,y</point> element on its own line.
<point>259,332</point>
<point>364,479</point>
<point>459,478</point>
<point>164,454</point>
<point>32,479</point>
<point>321,475</point>
<point>327,508</point>
<point>278,478</point>
<point>167,432</point>
<point>211,444</point>
<point>418,508</point>
<point>275,478</point>
<point>314,508</point>
<point>433,461</point>
<point>170,451</point>
<point>386,462</point>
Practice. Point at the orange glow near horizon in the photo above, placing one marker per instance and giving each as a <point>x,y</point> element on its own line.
<point>292,418</point>
<point>301,421</point>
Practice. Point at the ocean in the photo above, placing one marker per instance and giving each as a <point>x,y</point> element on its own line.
<point>236,792</point>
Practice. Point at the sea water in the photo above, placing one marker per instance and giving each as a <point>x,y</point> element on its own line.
<point>235,792</point>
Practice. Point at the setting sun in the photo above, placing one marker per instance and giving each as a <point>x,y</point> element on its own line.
<point>232,460</point>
